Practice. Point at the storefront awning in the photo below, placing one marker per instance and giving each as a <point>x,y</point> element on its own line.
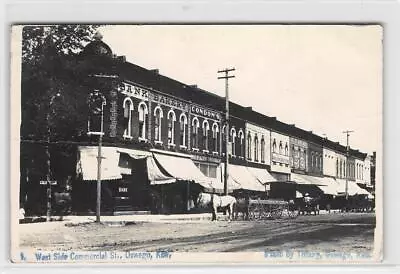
<point>305,182</point>
<point>182,168</point>
<point>262,175</point>
<point>156,177</point>
<point>244,179</point>
<point>87,163</point>
<point>329,185</point>
<point>352,189</point>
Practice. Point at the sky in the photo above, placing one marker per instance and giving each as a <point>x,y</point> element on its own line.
<point>322,78</point>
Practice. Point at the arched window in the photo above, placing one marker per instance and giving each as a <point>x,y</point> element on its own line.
<point>241,139</point>
<point>274,146</point>
<point>249,145</point>
<point>256,148</point>
<point>223,137</point>
<point>320,163</point>
<point>206,127</point>
<point>312,159</point>
<point>262,149</point>
<point>128,108</point>
<point>171,127</point>
<point>195,133</point>
<point>158,115</point>
<point>233,140</point>
<point>182,129</point>
<point>143,112</point>
<point>286,150</point>
<point>215,130</point>
<point>280,147</point>
<point>337,167</point>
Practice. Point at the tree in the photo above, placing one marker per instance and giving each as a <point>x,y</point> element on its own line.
<point>53,96</point>
<point>50,67</point>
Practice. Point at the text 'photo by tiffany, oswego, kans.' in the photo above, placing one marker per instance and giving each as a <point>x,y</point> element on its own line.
<point>168,143</point>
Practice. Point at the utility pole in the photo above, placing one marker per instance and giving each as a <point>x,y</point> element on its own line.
<point>48,181</point>
<point>347,161</point>
<point>226,77</point>
<point>97,95</point>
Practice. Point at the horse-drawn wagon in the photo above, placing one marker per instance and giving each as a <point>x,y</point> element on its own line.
<point>264,209</point>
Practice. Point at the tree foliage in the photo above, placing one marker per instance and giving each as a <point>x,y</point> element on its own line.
<point>53,94</point>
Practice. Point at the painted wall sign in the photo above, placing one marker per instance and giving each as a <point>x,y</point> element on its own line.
<point>169,101</point>
<point>201,111</point>
<point>134,91</point>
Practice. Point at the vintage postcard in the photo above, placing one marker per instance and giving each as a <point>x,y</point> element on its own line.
<point>159,144</point>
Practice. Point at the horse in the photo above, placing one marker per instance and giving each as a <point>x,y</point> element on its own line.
<point>227,202</point>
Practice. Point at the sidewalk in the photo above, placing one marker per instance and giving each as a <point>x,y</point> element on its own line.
<point>120,219</point>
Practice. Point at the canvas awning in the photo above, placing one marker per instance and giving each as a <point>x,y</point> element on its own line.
<point>262,175</point>
<point>329,185</point>
<point>244,179</point>
<point>352,189</point>
<point>307,184</point>
<point>87,163</point>
<point>182,168</point>
<point>156,177</point>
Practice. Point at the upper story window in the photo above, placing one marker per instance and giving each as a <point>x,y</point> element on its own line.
<point>206,128</point>
<point>337,168</point>
<point>274,146</point>
<point>128,108</point>
<point>280,147</point>
<point>143,112</point>
<point>241,140</point>
<point>195,133</point>
<point>312,159</point>
<point>286,150</point>
<point>256,148</point>
<point>320,162</point>
<point>158,115</point>
<point>262,149</point>
<point>233,140</point>
<point>215,130</point>
<point>249,145</point>
<point>182,129</point>
<point>223,137</point>
<point>171,127</point>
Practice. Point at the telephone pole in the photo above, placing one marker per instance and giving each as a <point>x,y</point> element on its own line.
<point>347,161</point>
<point>226,76</point>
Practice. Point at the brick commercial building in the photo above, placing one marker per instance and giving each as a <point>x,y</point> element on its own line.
<point>164,142</point>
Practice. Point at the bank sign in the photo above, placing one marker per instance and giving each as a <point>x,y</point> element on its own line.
<point>204,112</point>
<point>134,91</point>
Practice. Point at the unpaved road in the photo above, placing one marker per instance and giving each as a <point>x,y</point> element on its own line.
<point>350,232</point>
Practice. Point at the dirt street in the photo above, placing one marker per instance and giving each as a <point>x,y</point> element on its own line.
<point>349,232</point>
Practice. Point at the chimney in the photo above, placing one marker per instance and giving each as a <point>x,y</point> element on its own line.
<point>249,108</point>
<point>155,71</point>
<point>193,86</point>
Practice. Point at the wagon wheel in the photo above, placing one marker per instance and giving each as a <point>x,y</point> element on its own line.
<point>265,212</point>
<point>276,212</point>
